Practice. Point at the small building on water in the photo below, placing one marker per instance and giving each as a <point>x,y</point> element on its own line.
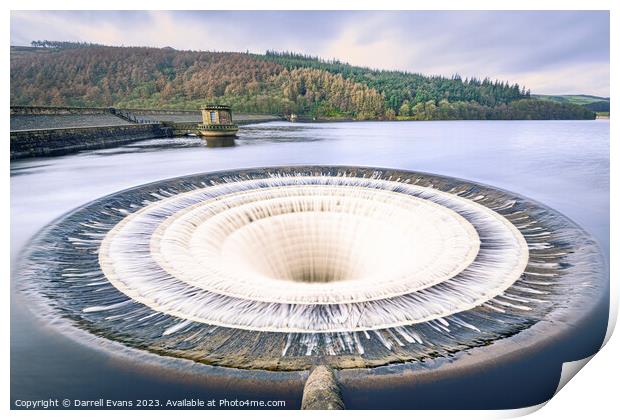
<point>217,121</point>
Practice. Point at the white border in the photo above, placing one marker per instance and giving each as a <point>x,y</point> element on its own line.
<point>593,395</point>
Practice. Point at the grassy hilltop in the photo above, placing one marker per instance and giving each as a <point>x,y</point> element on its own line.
<point>77,74</point>
<point>596,104</point>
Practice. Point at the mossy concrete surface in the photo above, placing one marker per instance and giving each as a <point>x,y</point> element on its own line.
<point>321,391</point>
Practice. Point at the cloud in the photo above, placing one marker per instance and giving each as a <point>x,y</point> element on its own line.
<point>547,51</point>
<point>593,77</point>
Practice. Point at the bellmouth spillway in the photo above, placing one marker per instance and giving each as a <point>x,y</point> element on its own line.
<point>284,268</point>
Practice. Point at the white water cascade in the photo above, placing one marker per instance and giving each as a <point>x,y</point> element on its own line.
<point>312,254</point>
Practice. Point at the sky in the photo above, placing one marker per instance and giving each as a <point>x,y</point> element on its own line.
<point>549,52</point>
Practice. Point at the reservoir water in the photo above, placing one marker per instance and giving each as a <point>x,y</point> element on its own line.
<point>563,164</point>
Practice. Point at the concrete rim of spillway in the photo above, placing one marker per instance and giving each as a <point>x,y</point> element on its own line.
<point>557,324</point>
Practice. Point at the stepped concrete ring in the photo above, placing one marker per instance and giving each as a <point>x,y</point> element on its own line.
<point>284,268</point>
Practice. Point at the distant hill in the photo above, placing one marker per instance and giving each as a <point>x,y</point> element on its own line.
<point>593,103</point>
<point>82,74</point>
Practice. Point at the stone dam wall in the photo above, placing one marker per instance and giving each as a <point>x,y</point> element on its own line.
<point>60,141</point>
<point>38,131</point>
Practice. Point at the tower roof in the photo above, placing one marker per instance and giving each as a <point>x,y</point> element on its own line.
<point>218,107</point>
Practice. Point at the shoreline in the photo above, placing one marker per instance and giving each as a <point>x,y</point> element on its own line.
<point>39,131</point>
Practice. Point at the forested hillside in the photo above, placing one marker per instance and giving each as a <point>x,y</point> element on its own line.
<point>74,74</point>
